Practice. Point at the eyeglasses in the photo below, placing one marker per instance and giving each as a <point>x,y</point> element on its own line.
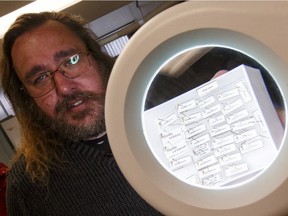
<point>42,83</point>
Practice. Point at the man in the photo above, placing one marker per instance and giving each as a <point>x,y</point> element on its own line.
<point>55,77</point>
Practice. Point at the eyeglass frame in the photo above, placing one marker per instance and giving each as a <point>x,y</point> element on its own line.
<point>52,73</point>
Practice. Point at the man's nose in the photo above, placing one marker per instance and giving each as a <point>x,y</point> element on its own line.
<point>63,85</point>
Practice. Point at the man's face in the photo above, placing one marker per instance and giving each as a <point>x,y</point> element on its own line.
<point>78,102</point>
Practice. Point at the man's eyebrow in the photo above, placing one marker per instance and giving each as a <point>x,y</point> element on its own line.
<point>63,53</point>
<point>34,70</point>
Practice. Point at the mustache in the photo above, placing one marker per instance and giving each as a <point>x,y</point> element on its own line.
<point>63,105</point>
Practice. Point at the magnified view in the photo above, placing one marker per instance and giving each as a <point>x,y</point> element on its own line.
<point>214,117</point>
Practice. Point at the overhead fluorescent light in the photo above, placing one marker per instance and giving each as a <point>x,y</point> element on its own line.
<point>115,47</point>
<point>34,7</point>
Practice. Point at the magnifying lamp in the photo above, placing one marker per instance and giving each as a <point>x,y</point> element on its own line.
<point>256,29</point>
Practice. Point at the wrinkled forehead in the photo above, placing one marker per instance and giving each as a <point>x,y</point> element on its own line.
<point>47,36</point>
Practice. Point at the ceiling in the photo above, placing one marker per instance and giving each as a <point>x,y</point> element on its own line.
<point>93,10</point>
<point>85,8</point>
<point>9,6</point>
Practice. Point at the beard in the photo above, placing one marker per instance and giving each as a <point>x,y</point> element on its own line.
<point>74,132</point>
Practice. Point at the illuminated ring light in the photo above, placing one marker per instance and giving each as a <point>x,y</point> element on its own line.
<point>243,26</point>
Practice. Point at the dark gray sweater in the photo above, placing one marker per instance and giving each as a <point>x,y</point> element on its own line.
<point>90,183</point>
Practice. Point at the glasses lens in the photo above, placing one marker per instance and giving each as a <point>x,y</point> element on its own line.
<point>76,65</point>
<point>36,92</point>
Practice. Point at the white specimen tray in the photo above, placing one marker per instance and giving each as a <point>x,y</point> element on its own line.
<point>218,133</point>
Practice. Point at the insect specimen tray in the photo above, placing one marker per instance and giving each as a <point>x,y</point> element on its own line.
<point>217,134</point>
